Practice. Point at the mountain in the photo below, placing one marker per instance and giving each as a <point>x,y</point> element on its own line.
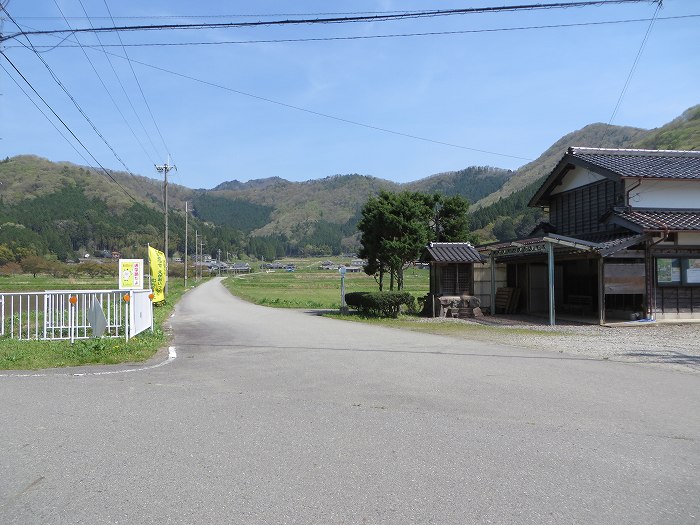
<point>472,183</point>
<point>593,135</point>
<point>508,206</point>
<point>62,208</point>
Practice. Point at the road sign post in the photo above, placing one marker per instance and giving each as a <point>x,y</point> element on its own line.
<point>343,307</point>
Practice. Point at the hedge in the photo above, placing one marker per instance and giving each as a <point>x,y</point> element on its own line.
<point>383,304</point>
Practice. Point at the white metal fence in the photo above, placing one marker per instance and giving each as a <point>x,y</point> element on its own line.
<point>64,314</point>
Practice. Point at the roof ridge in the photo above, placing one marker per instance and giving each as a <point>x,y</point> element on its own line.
<point>633,151</point>
<point>434,243</point>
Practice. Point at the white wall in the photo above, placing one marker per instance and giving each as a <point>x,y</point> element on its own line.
<point>689,238</point>
<point>576,178</point>
<point>678,194</point>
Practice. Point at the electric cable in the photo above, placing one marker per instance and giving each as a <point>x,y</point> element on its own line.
<point>109,93</point>
<point>317,113</point>
<point>368,37</point>
<point>331,20</point>
<point>126,94</point>
<point>143,95</point>
<point>104,170</point>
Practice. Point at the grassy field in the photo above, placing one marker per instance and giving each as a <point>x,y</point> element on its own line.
<point>27,283</point>
<point>32,355</point>
<point>309,287</point>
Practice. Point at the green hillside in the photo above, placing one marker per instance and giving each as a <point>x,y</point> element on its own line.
<point>505,214</point>
<point>472,183</point>
<point>68,210</point>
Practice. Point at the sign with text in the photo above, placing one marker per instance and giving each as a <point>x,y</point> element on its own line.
<point>539,247</point>
<point>131,274</point>
<point>159,274</point>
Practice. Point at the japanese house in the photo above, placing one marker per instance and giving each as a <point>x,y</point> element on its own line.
<point>622,241</point>
<point>451,276</point>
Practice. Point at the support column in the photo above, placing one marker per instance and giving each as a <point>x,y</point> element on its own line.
<point>492,260</point>
<point>550,271</point>
<point>601,291</point>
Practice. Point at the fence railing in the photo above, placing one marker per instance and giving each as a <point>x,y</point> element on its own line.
<point>68,314</point>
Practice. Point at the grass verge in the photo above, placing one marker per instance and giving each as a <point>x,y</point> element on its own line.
<point>33,355</point>
<point>447,328</point>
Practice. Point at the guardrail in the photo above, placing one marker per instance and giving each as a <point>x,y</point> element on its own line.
<point>70,315</point>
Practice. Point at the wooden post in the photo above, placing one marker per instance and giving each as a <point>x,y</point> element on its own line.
<point>601,290</point>
<point>550,268</point>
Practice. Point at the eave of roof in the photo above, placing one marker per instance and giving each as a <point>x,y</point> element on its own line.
<point>565,244</point>
<point>623,163</point>
<point>451,252</point>
<point>657,220</point>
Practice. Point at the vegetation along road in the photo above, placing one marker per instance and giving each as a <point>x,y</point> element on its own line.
<point>282,416</point>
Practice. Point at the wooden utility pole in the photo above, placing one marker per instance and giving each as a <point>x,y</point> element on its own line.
<point>186,214</point>
<point>164,169</point>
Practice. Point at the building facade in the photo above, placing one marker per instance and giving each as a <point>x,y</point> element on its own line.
<point>622,241</point>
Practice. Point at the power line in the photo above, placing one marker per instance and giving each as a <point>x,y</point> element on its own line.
<point>121,84</point>
<point>46,116</point>
<point>104,170</point>
<point>634,64</point>
<point>75,102</point>
<point>143,95</point>
<point>317,113</point>
<point>333,20</point>
<point>370,37</point>
<point>109,93</point>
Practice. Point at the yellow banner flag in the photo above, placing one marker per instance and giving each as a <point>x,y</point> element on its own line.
<point>159,274</point>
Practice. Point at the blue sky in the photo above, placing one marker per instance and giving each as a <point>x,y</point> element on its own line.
<point>508,92</point>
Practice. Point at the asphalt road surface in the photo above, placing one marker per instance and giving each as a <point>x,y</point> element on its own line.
<point>283,417</point>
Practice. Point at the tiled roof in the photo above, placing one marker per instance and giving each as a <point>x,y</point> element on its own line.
<point>620,243</point>
<point>665,164</point>
<point>659,220</point>
<point>453,252</point>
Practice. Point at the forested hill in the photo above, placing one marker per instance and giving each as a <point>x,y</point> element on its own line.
<point>61,208</point>
<point>504,214</point>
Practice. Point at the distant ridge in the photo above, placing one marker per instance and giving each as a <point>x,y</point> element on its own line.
<point>314,214</point>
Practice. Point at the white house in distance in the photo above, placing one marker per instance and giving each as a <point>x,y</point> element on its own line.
<point>623,238</point>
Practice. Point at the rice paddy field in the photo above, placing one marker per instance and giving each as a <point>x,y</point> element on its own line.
<point>311,287</point>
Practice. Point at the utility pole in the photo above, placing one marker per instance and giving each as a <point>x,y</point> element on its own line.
<point>196,259</point>
<point>164,169</point>
<point>201,257</point>
<point>218,264</point>
<point>186,214</point>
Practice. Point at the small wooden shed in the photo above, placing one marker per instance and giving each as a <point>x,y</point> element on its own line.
<point>451,278</point>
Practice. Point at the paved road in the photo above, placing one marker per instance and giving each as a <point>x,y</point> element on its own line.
<point>282,417</point>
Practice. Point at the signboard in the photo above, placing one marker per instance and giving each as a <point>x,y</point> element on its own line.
<point>625,278</point>
<point>130,274</point>
<point>540,247</point>
<point>692,274</point>
<point>668,271</point>
<point>158,274</point>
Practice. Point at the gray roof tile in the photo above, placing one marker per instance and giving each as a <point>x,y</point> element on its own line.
<point>452,252</point>
<point>664,164</point>
<point>658,220</point>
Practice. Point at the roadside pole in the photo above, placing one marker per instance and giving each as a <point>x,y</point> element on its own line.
<point>343,307</point>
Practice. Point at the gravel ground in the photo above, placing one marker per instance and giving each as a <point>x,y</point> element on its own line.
<point>668,345</point>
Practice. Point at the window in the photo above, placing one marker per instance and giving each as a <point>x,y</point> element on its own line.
<point>678,271</point>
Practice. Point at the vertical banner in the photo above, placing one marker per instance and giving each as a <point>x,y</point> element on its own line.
<point>159,275</point>
<point>131,274</point>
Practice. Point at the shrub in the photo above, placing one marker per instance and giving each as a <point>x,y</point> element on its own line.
<point>383,304</point>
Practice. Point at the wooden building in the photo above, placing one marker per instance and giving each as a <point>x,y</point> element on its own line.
<point>451,277</point>
<point>623,238</point>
